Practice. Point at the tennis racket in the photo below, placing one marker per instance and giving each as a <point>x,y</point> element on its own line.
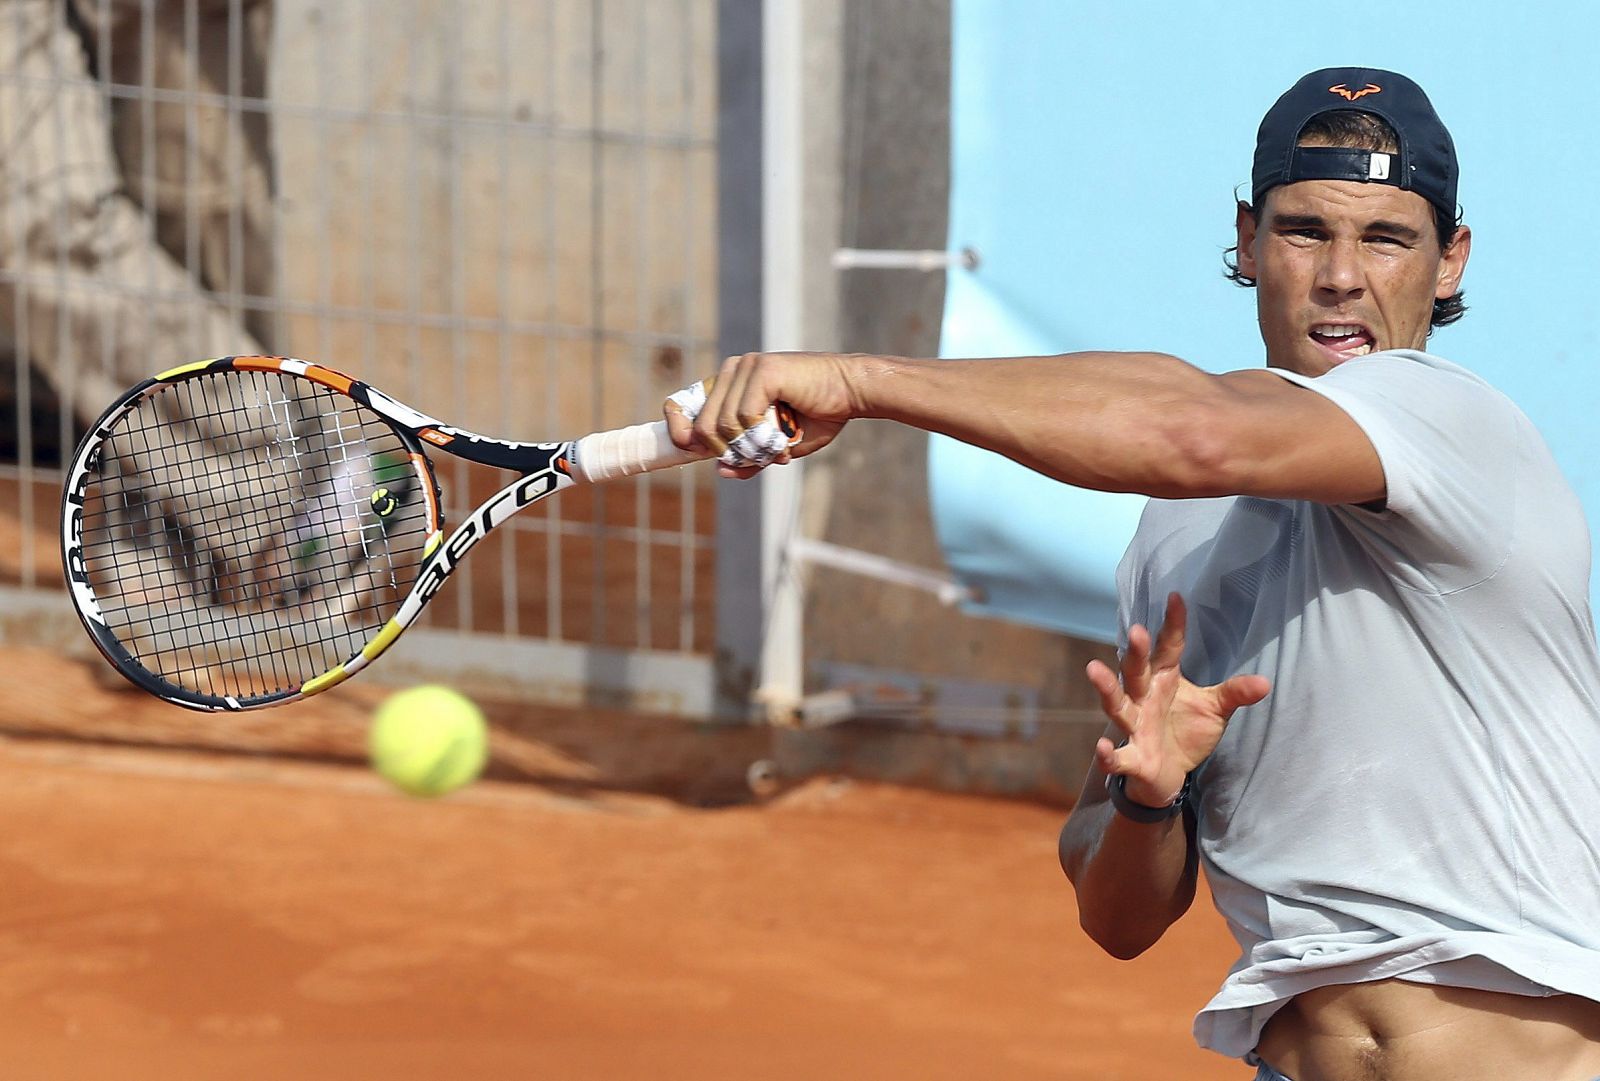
<point>249,531</point>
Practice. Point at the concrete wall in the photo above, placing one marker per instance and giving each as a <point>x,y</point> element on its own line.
<point>506,206</point>
<point>505,212</point>
<point>870,490</point>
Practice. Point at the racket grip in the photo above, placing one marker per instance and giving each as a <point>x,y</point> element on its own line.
<point>626,452</point>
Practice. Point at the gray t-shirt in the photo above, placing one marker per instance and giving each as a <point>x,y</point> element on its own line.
<point>1419,796</point>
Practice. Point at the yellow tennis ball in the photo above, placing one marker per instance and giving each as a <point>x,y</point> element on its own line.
<point>428,740</point>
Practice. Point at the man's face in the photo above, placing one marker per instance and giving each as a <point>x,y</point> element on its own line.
<point>1345,268</point>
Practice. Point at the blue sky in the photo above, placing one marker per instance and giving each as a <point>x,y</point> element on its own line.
<point>1097,149</point>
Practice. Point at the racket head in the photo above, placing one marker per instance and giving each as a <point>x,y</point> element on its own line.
<point>235,532</point>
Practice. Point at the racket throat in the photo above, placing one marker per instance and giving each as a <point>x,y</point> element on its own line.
<point>514,497</point>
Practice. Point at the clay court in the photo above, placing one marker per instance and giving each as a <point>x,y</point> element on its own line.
<point>513,215</point>
<point>185,914</point>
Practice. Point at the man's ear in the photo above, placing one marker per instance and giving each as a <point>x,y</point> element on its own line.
<point>1245,229</point>
<point>1454,264</point>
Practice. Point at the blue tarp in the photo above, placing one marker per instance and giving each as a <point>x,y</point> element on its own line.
<point>1096,152</point>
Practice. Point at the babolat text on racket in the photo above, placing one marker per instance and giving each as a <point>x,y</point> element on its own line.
<point>247,531</point>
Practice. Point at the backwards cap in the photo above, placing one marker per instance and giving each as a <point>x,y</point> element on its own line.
<point>1427,159</point>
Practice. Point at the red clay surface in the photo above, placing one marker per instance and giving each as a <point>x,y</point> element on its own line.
<point>180,914</point>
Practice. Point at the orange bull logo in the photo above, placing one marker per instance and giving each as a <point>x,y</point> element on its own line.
<point>1351,95</point>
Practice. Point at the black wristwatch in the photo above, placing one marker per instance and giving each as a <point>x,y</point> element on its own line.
<point>1116,787</point>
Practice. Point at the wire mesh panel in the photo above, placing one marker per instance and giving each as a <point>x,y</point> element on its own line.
<point>502,212</point>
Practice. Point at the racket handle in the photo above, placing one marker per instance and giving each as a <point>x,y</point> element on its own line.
<point>625,452</point>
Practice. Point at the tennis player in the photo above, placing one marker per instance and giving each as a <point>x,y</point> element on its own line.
<point>1376,721</point>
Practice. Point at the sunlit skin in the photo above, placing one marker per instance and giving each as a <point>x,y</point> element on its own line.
<point>1343,269</point>
<point>1331,252</point>
<point>1365,260</point>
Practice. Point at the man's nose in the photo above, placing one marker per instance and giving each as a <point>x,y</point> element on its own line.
<point>1340,273</point>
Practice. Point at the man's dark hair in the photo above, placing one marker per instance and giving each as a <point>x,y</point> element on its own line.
<point>1362,131</point>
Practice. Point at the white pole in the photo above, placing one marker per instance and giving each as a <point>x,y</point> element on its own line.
<point>923,260</point>
<point>779,690</point>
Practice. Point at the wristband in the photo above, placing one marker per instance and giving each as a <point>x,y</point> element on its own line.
<point>1116,787</point>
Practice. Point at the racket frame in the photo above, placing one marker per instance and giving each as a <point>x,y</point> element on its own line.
<point>542,468</point>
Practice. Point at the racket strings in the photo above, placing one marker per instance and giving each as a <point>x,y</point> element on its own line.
<point>247,531</point>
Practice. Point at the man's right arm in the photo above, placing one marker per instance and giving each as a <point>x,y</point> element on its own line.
<point>1117,422</point>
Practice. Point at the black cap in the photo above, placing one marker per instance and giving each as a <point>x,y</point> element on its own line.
<point>1427,158</point>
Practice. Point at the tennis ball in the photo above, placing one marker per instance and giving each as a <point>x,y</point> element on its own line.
<point>428,740</point>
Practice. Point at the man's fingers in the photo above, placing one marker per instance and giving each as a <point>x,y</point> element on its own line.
<point>735,382</point>
<point>706,427</point>
<point>1169,642</point>
<point>1105,755</point>
<point>1112,759</point>
<point>690,414</point>
<point>1240,691</point>
<point>1113,701</point>
<point>1136,662</point>
<point>1163,689</point>
<point>679,427</point>
<point>734,417</point>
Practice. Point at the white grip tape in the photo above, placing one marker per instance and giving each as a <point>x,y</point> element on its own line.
<point>626,452</point>
<point>759,445</point>
<point>690,400</point>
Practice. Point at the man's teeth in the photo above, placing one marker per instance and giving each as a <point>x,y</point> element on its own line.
<point>1342,335</point>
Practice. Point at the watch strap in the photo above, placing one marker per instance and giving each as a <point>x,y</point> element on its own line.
<point>1116,787</point>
